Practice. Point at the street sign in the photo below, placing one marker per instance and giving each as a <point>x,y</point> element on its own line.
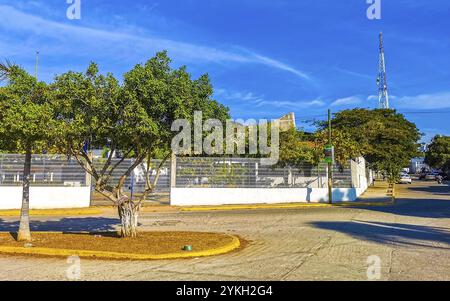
<point>329,154</point>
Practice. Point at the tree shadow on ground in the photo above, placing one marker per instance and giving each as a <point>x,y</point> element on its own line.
<point>428,205</point>
<point>89,224</point>
<point>391,233</point>
<point>436,190</point>
<point>414,207</point>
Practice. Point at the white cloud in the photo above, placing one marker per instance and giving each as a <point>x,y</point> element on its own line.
<point>81,40</point>
<point>430,101</point>
<point>279,65</point>
<point>352,100</point>
<point>423,101</point>
<point>373,97</point>
<point>287,104</point>
<point>249,98</point>
<point>237,96</point>
<point>353,73</point>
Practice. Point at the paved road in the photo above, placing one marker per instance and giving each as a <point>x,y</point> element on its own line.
<point>412,240</point>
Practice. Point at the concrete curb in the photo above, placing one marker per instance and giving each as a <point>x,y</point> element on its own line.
<point>283,206</point>
<point>234,244</point>
<point>54,212</point>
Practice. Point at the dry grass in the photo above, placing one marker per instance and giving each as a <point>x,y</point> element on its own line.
<point>146,243</point>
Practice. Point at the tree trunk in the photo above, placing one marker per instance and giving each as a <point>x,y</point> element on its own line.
<point>24,227</point>
<point>128,214</point>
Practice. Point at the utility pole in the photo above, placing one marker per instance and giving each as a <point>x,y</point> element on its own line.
<point>330,161</point>
<point>383,97</point>
<point>36,66</point>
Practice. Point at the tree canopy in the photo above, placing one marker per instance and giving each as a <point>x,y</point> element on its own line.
<point>296,149</point>
<point>438,153</point>
<point>26,126</point>
<point>385,138</point>
<point>133,118</point>
<point>26,115</point>
<point>345,148</point>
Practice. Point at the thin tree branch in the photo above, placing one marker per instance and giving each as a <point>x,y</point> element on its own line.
<point>81,163</point>
<point>108,195</point>
<point>117,164</point>
<point>151,186</point>
<point>128,172</point>
<point>108,161</point>
<point>6,70</point>
<point>90,163</point>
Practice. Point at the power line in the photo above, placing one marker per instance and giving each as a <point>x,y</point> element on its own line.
<point>418,112</point>
<point>310,117</point>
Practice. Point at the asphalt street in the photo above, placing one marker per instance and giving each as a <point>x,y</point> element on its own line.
<point>411,240</point>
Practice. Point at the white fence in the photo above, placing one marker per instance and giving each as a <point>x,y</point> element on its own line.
<point>56,182</point>
<point>46,197</point>
<point>59,182</point>
<point>220,181</point>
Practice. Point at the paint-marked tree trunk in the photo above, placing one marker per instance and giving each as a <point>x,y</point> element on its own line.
<point>24,227</point>
<point>128,214</point>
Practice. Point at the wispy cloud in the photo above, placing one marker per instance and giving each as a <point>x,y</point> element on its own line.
<point>346,101</point>
<point>276,64</point>
<point>245,97</point>
<point>292,105</point>
<point>82,41</point>
<point>249,98</point>
<point>354,73</point>
<point>432,101</point>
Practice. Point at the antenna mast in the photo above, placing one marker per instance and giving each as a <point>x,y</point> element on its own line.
<point>383,97</point>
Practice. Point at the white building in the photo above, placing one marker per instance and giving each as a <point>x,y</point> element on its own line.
<point>417,164</point>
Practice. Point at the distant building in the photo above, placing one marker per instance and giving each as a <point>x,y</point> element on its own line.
<point>97,153</point>
<point>417,164</point>
<point>423,147</point>
<point>287,121</point>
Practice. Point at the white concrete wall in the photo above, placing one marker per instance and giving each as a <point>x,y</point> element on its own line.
<point>45,197</point>
<point>223,196</point>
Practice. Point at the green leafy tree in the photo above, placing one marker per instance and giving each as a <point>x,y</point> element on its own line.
<point>438,153</point>
<point>385,138</point>
<point>133,118</point>
<point>345,148</point>
<point>26,126</point>
<point>296,149</point>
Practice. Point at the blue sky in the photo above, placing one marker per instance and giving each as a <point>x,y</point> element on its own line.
<point>265,57</point>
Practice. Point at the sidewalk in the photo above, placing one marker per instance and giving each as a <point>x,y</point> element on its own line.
<point>378,193</point>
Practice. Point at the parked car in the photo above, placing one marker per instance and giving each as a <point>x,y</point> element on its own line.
<point>415,177</point>
<point>431,176</point>
<point>405,179</point>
